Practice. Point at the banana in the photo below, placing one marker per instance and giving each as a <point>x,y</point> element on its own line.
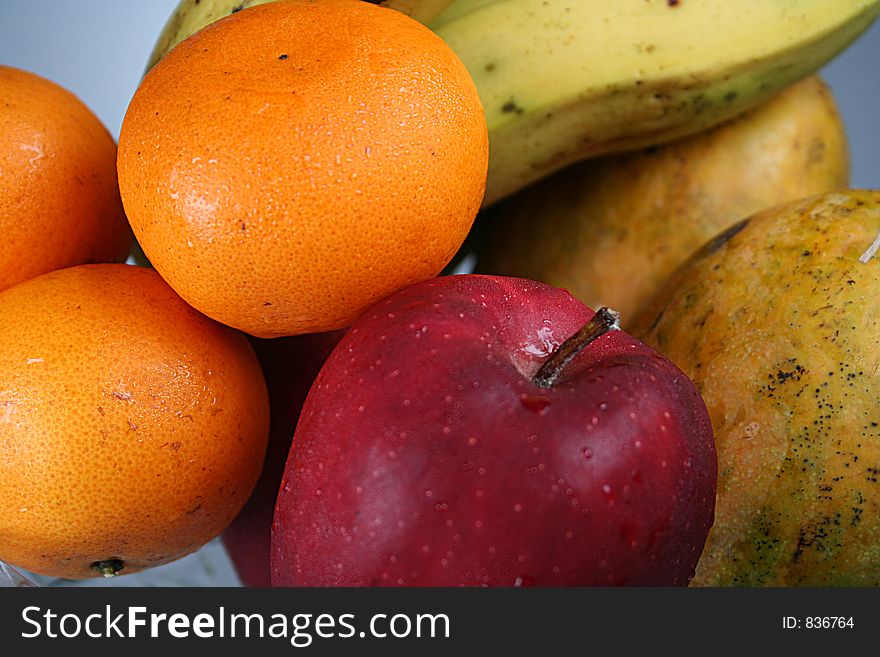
<point>563,80</point>
<point>423,11</point>
<point>192,15</point>
<point>457,9</point>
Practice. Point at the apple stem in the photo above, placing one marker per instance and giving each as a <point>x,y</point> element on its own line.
<point>603,321</point>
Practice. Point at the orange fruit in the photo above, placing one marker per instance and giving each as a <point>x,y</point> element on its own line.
<point>59,200</point>
<point>291,164</point>
<point>132,428</point>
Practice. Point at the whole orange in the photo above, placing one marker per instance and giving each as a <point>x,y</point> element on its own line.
<point>132,428</point>
<point>59,200</point>
<point>291,164</point>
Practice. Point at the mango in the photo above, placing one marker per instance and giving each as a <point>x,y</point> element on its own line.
<point>777,322</point>
<point>612,230</point>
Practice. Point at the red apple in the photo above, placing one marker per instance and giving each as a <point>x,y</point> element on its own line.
<point>289,366</point>
<point>480,430</point>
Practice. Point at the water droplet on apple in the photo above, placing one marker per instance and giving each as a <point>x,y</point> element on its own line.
<point>517,508</point>
<point>535,403</point>
<point>429,493</point>
<point>471,441</point>
<point>629,534</point>
<point>587,453</point>
<point>603,406</point>
<point>441,506</point>
<point>523,580</point>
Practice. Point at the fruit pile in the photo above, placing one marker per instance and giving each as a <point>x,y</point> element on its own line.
<point>663,372</point>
